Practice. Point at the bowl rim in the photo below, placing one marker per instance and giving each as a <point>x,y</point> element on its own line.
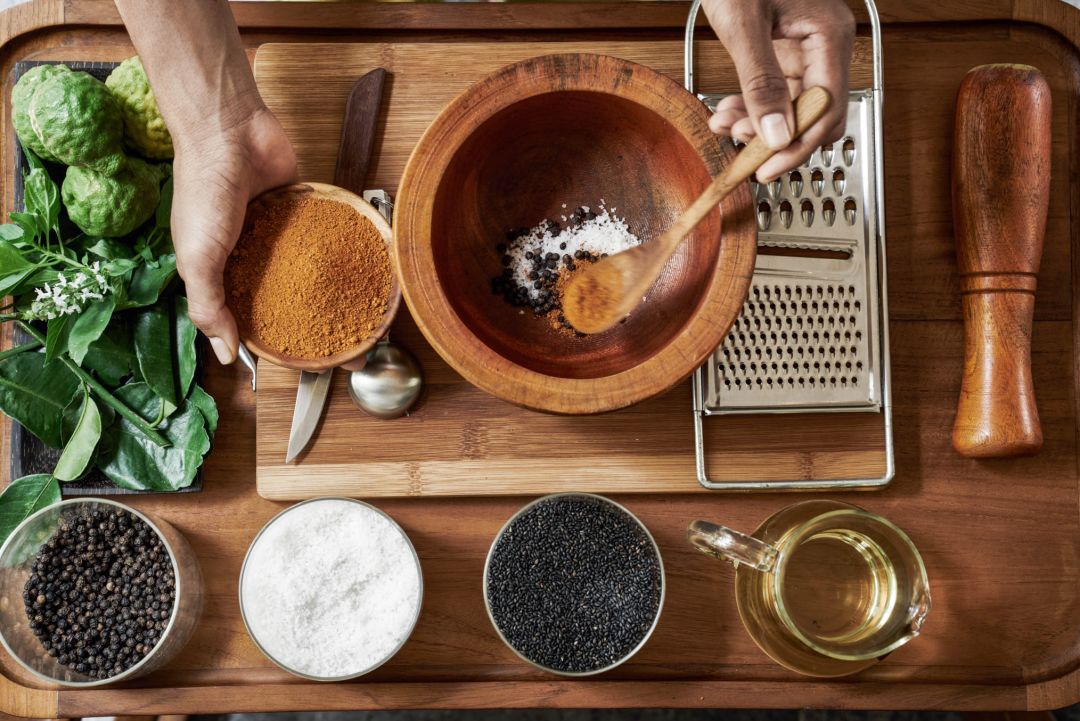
<point>133,670</point>
<point>338,194</point>
<point>404,639</point>
<point>456,343</point>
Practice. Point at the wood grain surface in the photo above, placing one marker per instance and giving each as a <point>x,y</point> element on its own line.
<point>1001,538</point>
<point>471,443</point>
<point>1001,191</point>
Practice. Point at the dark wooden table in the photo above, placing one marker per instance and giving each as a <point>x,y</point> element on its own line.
<point>1001,539</point>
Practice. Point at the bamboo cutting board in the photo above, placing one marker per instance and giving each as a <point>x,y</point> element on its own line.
<point>458,440</point>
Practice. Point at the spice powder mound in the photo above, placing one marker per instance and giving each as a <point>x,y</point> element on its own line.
<point>309,277</point>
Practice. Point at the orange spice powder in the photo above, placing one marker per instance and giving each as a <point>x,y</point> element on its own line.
<point>309,277</point>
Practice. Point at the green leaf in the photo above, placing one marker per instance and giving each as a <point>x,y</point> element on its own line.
<point>14,267</point>
<point>24,497</point>
<point>206,405</point>
<point>10,231</point>
<point>80,446</point>
<point>111,356</point>
<point>110,249</point>
<point>42,199</point>
<point>57,333</point>
<point>131,461</point>
<point>185,332</point>
<point>147,282</point>
<point>154,349</point>
<point>88,327</point>
<point>34,393</point>
<point>27,222</point>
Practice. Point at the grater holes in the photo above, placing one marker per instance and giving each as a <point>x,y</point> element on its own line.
<point>817,181</point>
<point>850,210</point>
<point>775,189</point>
<point>795,183</point>
<point>839,182</point>
<point>786,214</point>
<point>849,151</point>
<point>764,215</point>
<point>828,212</point>
<point>807,213</point>
<point>795,337</point>
<point>827,154</point>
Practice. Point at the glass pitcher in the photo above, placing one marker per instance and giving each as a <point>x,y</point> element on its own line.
<point>823,587</point>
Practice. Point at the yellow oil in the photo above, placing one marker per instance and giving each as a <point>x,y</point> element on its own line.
<point>840,588</point>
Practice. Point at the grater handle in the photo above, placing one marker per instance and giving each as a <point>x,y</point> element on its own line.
<point>1001,190</point>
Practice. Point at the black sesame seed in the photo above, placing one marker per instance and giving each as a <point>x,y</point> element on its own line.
<point>574,583</point>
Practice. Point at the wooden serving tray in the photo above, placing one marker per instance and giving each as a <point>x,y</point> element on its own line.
<point>1001,539</point>
<point>459,441</point>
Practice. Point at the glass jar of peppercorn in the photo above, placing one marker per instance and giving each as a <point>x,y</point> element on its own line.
<point>94,592</point>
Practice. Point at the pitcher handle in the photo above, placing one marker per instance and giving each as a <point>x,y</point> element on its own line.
<point>726,544</point>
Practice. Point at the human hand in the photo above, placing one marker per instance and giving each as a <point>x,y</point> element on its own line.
<point>215,175</point>
<point>781,47</point>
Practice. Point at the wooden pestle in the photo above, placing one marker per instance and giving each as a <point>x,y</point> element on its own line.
<point>1001,189</point>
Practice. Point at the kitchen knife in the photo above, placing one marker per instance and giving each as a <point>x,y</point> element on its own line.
<point>354,157</point>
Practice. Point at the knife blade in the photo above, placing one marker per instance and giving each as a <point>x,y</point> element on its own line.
<point>354,157</point>
<point>310,401</point>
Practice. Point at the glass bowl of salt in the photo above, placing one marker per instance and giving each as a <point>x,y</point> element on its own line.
<point>331,589</point>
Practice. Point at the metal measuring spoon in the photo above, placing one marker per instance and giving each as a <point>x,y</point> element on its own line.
<point>388,384</point>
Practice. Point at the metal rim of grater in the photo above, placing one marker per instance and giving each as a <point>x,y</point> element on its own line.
<point>813,333</point>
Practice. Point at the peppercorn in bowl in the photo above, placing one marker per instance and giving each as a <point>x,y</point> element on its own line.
<point>93,592</point>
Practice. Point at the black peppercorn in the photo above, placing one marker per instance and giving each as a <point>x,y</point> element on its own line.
<point>90,585</point>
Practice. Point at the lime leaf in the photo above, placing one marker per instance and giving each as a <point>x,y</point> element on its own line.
<point>133,461</point>
<point>206,405</point>
<point>88,327</point>
<point>23,497</point>
<point>35,393</point>
<point>154,350</point>
<point>184,332</point>
<point>80,447</point>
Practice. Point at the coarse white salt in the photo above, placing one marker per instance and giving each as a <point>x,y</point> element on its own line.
<point>603,234</point>
<point>330,588</point>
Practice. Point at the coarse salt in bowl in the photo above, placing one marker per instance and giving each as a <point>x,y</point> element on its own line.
<point>330,589</point>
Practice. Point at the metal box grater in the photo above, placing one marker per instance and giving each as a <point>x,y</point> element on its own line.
<point>813,333</point>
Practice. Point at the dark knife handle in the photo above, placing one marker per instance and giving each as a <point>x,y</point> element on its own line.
<point>358,131</point>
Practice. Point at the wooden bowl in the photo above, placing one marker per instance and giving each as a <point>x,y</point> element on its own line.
<point>350,358</point>
<point>507,153</point>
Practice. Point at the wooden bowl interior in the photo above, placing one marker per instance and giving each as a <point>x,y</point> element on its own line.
<point>349,356</point>
<point>577,148</point>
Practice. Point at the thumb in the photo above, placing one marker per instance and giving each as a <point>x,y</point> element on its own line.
<point>203,279</point>
<point>747,35</point>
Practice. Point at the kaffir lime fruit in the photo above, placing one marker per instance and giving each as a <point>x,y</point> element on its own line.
<point>143,124</point>
<point>30,81</point>
<point>77,121</point>
<point>110,206</point>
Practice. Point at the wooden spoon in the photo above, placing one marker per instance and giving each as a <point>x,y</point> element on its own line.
<point>603,293</point>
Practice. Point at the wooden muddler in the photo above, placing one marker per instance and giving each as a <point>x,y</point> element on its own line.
<point>1001,188</point>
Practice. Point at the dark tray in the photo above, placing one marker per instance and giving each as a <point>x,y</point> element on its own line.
<point>28,454</point>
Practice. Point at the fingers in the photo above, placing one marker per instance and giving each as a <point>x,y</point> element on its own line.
<point>747,33</point>
<point>203,280</point>
<point>826,37</point>
<point>207,214</point>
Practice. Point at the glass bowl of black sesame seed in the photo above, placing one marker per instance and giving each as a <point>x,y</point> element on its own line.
<point>574,584</point>
<point>93,592</point>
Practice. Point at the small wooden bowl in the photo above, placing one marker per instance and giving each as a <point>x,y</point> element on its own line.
<point>350,358</point>
<point>507,153</point>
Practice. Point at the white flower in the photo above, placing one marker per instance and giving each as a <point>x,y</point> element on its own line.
<point>67,296</point>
